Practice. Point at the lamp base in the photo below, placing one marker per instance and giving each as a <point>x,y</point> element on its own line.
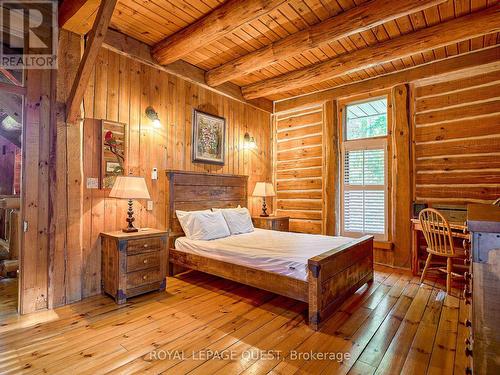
<point>130,230</point>
<point>130,219</point>
<point>264,208</point>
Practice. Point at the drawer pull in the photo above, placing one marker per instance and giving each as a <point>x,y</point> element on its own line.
<point>145,261</point>
<point>145,245</point>
<point>468,352</point>
<point>144,277</point>
<point>467,294</point>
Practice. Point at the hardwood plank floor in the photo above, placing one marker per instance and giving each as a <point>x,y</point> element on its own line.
<point>8,296</point>
<point>206,325</point>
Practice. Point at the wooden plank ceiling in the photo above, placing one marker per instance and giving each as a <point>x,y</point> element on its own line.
<point>151,21</point>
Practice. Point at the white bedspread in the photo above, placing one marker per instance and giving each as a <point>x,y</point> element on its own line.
<point>285,253</point>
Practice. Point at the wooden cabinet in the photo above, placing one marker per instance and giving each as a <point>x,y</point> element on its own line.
<point>133,263</point>
<point>280,223</point>
<point>482,289</point>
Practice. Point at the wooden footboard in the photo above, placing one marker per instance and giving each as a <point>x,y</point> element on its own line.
<point>270,281</point>
<point>337,274</point>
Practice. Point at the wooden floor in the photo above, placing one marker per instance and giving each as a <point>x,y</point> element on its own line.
<point>8,297</point>
<point>393,325</point>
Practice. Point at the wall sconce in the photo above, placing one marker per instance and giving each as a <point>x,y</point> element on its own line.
<point>153,116</point>
<point>249,142</point>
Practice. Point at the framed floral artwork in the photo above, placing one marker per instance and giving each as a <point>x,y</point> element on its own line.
<point>113,152</point>
<point>208,138</point>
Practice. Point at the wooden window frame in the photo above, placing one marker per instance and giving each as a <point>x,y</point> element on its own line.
<point>363,143</point>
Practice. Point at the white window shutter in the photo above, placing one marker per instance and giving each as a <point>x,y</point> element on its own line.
<point>364,191</point>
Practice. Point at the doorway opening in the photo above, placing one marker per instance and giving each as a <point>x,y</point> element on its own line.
<point>11,126</point>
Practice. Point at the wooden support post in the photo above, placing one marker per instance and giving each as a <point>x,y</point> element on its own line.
<point>36,198</point>
<point>401,177</point>
<point>86,66</point>
<point>330,167</point>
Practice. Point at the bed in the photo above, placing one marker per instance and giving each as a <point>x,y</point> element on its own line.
<point>324,274</point>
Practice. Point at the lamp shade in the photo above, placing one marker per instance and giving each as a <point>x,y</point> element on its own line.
<point>263,189</point>
<point>129,187</point>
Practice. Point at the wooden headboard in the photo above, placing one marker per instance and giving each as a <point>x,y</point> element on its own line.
<point>190,191</point>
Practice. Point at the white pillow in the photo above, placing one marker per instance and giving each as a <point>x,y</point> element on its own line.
<point>203,225</point>
<point>238,220</point>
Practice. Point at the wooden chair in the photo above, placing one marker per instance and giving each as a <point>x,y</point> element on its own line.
<point>437,233</point>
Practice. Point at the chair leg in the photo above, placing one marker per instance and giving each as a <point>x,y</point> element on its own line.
<point>448,276</point>
<point>427,263</point>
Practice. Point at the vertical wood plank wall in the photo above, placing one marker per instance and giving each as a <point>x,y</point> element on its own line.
<point>36,203</point>
<point>457,139</point>
<point>299,168</point>
<point>120,89</point>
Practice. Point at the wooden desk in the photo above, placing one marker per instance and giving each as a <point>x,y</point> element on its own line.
<point>458,232</point>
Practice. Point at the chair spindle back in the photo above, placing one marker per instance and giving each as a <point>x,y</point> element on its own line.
<point>437,232</point>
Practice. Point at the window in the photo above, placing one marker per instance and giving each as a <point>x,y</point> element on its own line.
<point>364,167</point>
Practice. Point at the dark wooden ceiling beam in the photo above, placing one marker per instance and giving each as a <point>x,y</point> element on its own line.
<point>68,9</point>
<point>355,20</point>
<point>440,35</point>
<point>19,90</point>
<point>221,21</point>
<point>97,35</point>
<point>485,59</point>
<point>12,137</point>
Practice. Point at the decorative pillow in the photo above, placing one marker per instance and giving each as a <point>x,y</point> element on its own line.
<point>238,220</point>
<point>203,225</point>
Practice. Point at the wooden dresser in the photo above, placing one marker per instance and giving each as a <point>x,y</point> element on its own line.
<point>133,263</point>
<point>482,290</point>
<point>281,223</point>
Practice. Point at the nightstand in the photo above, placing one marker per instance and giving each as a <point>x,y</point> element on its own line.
<point>133,263</point>
<point>280,223</point>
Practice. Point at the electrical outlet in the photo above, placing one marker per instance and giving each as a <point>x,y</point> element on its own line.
<point>154,174</point>
<point>150,205</point>
<point>92,183</point>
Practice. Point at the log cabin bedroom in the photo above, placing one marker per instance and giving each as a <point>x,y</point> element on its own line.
<point>250,187</point>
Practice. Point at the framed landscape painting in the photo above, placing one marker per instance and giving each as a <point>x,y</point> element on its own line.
<point>208,138</point>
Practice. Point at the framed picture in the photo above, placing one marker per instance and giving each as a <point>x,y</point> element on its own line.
<point>113,152</point>
<point>208,138</point>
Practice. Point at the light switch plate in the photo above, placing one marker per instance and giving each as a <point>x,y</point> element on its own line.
<point>92,183</point>
<point>150,205</point>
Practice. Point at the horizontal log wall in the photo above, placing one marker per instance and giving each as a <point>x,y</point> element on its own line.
<point>299,168</point>
<point>120,89</point>
<point>457,139</point>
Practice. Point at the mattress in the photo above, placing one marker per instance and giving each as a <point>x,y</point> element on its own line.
<point>284,253</point>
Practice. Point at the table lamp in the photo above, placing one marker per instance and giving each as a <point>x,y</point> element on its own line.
<point>129,187</point>
<point>263,189</point>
